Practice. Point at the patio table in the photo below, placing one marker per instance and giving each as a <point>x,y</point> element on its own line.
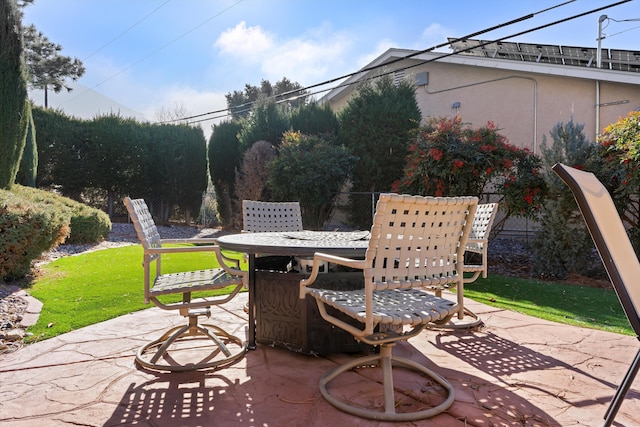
<point>351,244</point>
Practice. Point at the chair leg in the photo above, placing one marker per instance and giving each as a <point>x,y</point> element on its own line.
<point>385,360</point>
<point>622,390</point>
<point>159,354</point>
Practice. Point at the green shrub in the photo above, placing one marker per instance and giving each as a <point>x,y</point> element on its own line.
<point>28,229</point>
<point>34,221</point>
<point>616,162</point>
<point>87,224</point>
<point>563,245</point>
<point>311,170</point>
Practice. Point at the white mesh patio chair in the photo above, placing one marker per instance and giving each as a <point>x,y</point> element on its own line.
<point>174,349</point>
<point>477,243</point>
<point>261,217</point>
<point>617,254</point>
<point>415,242</point>
<point>258,217</point>
<point>479,239</point>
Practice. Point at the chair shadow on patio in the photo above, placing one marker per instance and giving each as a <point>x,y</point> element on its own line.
<point>273,386</point>
<point>516,365</point>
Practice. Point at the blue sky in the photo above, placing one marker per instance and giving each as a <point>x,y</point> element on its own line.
<point>153,54</point>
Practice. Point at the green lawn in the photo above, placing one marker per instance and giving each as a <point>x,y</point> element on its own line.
<point>559,302</point>
<point>81,290</point>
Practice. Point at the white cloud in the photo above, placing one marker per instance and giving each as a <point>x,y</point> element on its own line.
<point>241,41</point>
<point>306,59</point>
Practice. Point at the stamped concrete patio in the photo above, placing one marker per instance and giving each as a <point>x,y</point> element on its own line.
<point>517,371</point>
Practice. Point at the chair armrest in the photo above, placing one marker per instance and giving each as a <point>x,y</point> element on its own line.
<point>476,240</point>
<point>317,257</point>
<point>193,241</point>
<point>223,260</point>
<point>166,250</point>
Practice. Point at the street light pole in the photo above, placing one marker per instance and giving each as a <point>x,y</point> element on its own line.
<point>599,50</point>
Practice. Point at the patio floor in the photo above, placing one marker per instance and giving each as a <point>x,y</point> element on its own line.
<point>516,371</point>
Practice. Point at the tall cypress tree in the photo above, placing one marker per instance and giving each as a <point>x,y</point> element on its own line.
<point>224,156</point>
<point>14,108</point>
<point>376,125</point>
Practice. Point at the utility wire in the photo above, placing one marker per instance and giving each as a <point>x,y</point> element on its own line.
<point>623,31</point>
<point>156,51</point>
<point>167,44</point>
<point>126,31</point>
<point>298,92</point>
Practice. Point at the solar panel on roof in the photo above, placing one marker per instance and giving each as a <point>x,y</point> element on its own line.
<point>580,56</point>
<point>625,56</point>
<point>622,60</point>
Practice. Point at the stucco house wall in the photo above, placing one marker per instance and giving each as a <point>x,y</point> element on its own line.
<point>524,99</point>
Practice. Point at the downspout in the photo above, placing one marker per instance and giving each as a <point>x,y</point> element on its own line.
<point>597,108</point>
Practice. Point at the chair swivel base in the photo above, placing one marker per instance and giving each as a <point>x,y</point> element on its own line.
<point>218,346</point>
<point>454,323</point>
<point>386,360</point>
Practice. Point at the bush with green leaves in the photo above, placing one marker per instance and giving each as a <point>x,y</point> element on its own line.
<point>28,228</point>
<point>311,170</point>
<point>376,125</point>
<point>34,221</point>
<point>563,244</point>
<point>450,158</point>
<point>314,119</point>
<point>267,122</point>
<point>111,156</point>
<point>616,162</point>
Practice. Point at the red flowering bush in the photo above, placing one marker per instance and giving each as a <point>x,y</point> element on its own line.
<point>449,158</point>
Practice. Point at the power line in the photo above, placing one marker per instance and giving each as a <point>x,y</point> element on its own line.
<point>250,104</point>
<point>157,50</point>
<point>386,64</point>
<point>126,31</point>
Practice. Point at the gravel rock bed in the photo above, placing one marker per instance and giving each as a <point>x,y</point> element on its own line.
<point>11,309</point>
<point>124,234</point>
<point>509,257</point>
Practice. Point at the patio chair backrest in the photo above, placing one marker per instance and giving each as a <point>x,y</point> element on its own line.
<point>418,241</point>
<point>259,217</point>
<point>479,238</point>
<point>143,223</point>
<point>481,227</point>
<point>609,235</point>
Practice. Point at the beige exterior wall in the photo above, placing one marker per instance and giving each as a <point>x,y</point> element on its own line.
<point>524,104</point>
